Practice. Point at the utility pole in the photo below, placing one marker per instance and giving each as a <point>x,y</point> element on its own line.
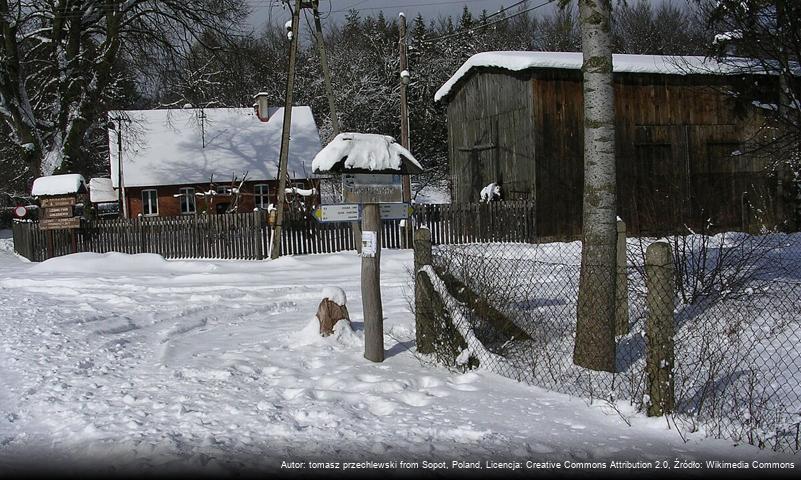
<point>284,156</point>
<point>120,177</point>
<point>404,107</point>
<point>332,106</point>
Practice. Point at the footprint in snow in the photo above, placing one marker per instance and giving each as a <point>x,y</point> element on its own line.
<point>428,382</point>
<point>292,393</point>
<point>380,407</point>
<point>415,399</point>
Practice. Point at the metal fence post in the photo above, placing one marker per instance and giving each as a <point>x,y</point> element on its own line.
<point>423,291</point>
<point>622,284</point>
<point>659,328</point>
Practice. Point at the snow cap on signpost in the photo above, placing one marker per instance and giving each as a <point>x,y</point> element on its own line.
<point>68,184</point>
<point>365,153</point>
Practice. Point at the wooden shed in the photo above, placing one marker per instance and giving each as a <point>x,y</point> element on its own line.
<point>516,119</point>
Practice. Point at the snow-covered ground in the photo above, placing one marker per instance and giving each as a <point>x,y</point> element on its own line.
<point>114,362</point>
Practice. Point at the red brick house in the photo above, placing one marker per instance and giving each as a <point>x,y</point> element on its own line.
<point>188,161</point>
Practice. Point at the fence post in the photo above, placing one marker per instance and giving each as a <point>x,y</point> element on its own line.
<point>258,226</point>
<point>659,328</point>
<point>423,292</point>
<point>622,284</point>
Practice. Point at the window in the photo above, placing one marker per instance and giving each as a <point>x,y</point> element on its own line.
<point>150,202</point>
<point>222,190</point>
<point>187,196</point>
<point>261,198</point>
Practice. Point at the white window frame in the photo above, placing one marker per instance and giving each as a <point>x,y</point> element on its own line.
<point>189,194</point>
<point>261,195</point>
<point>224,190</point>
<point>147,204</point>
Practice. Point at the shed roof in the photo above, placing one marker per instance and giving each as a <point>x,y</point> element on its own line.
<point>622,63</point>
<point>180,146</point>
<point>59,185</point>
<point>101,190</point>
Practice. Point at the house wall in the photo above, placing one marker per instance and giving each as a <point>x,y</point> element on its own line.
<point>674,139</point>
<point>169,205</point>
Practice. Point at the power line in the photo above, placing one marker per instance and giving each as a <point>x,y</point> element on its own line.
<point>485,24</point>
<point>395,7</point>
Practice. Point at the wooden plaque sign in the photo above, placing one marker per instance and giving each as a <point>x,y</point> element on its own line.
<point>59,223</point>
<point>372,188</point>
<point>58,212</point>
<point>57,202</point>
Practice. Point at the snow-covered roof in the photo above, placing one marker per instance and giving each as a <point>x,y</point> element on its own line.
<point>365,152</point>
<point>622,63</point>
<point>101,190</point>
<point>58,185</point>
<point>178,146</point>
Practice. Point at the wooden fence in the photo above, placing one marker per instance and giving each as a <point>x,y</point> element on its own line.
<point>248,236</point>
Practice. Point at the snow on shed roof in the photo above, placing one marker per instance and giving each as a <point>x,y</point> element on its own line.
<point>58,185</point>
<point>101,190</point>
<point>179,146</point>
<point>623,63</point>
<point>365,152</point>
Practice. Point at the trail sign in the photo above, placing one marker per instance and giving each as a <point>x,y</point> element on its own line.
<point>395,211</point>
<point>59,223</point>
<point>47,202</point>
<point>58,212</point>
<point>342,212</point>
<point>352,212</point>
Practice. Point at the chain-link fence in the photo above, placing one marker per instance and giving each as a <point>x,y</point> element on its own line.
<point>729,303</point>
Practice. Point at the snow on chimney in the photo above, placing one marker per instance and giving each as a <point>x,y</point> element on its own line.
<point>261,106</point>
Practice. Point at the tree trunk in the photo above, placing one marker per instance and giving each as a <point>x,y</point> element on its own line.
<point>595,327</point>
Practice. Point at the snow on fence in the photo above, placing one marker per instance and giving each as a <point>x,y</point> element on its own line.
<point>735,359</point>
<point>246,235</point>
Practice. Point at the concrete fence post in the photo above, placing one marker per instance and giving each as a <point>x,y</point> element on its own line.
<point>423,292</point>
<point>659,328</point>
<point>622,284</point>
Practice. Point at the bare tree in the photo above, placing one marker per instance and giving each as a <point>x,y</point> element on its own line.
<point>595,340</point>
<point>62,63</point>
<point>768,33</point>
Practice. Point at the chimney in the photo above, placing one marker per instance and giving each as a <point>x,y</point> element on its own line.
<point>261,106</point>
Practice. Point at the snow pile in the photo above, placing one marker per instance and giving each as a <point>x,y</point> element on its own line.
<point>101,190</point>
<point>303,192</point>
<point>336,295</point>
<point>148,263</point>
<point>622,63</point>
<point>364,151</point>
<point>491,192</point>
<point>58,184</point>
<point>343,335</point>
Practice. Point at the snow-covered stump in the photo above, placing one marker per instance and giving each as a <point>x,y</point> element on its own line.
<point>622,284</point>
<point>659,328</point>
<point>332,309</point>
<point>424,318</point>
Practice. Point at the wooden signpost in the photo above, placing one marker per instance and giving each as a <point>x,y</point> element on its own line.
<point>366,189</point>
<point>59,213</point>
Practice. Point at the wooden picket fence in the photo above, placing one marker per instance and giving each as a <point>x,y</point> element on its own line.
<point>248,236</point>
